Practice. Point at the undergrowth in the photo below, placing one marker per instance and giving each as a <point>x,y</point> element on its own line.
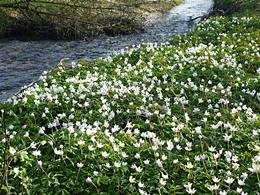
<point>176,118</point>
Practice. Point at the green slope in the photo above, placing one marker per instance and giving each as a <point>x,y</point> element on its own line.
<point>176,118</point>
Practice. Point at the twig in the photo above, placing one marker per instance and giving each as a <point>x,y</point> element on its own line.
<point>198,17</point>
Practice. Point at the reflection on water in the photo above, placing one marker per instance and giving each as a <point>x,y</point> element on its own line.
<point>22,62</point>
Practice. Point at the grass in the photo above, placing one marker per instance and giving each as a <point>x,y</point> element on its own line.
<point>176,118</point>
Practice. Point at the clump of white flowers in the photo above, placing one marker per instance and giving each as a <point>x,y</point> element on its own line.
<point>155,119</point>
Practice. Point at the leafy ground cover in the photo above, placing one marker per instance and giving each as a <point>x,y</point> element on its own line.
<point>176,118</point>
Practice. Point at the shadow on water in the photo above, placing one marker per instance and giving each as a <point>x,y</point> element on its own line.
<point>21,62</point>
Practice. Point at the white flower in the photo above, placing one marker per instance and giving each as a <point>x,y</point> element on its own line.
<point>146,162</point>
<point>137,145</point>
<point>198,130</point>
<point>169,145</point>
<point>159,163</point>
<point>58,152</point>
<point>39,162</point>
<point>227,137</point>
<point>131,179</point>
<point>239,190</point>
<point>188,185</point>
<point>241,182</point>
<point>222,193</point>
<point>129,125</point>
<point>4,140</point>
<point>155,147</point>
<point>71,116</point>
<point>188,146</point>
<point>164,157</point>
<point>138,169</point>
<point>216,180</point>
<point>12,151</point>
<point>162,182</point>
<point>105,154</point>
<point>71,129</point>
<point>117,164</point>
<point>187,118</point>
<point>244,175</point>
<point>175,161</point>
<point>213,187</point>
<point>255,168</point>
<point>106,124</point>
<point>142,192</point>
<point>16,171</point>
<point>33,145</point>
<point>88,180</point>
<point>178,147</point>
<point>229,180</point>
<point>165,176</point>
<point>189,189</point>
<point>258,71</point>
<point>80,165</point>
<point>216,187</point>
<point>58,89</point>
<point>41,130</point>
<point>212,149</point>
<point>80,142</point>
<point>115,129</point>
<point>36,153</point>
<point>235,166</point>
<point>116,148</point>
<point>91,148</point>
<point>124,155</point>
<point>176,139</point>
<point>137,155</point>
<point>189,165</point>
<point>141,185</point>
<point>108,165</point>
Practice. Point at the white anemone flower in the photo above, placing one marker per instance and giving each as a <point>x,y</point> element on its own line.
<point>255,168</point>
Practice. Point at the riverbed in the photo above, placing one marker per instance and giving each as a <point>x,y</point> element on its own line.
<point>22,62</point>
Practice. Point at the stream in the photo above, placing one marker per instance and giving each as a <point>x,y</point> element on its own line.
<point>22,62</point>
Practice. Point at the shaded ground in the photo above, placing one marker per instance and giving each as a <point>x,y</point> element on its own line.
<point>75,19</point>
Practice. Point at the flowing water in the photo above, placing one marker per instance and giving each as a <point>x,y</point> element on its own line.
<point>22,62</point>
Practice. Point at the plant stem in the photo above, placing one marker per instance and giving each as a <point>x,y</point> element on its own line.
<point>5,156</point>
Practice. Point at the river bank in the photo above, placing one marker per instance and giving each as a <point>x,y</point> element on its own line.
<point>171,118</point>
<point>239,8</point>
<point>22,62</point>
<point>71,20</point>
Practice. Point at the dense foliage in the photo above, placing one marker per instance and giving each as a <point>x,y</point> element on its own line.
<point>72,19</point>
<point>228,7</point>
<point>177,118</point>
